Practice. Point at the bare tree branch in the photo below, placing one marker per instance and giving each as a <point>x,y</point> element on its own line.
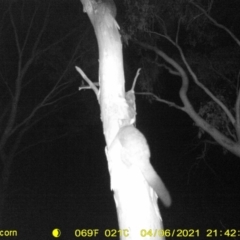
<point>216,23</point>
<point>158,99</point>
<point>206,90</point>
<point>225,131</point>
<point>39,142</point>
<point>178,30</point>
<point>193,75</point>
<point>52,97</point>
<point>29,29</point>
<point>221,75</point>
<point>90,83</point>
<point>195,79</point>
<point>216,134</point>
<point>15,34</point>
<point>237,106</point>
<point>43,28</point>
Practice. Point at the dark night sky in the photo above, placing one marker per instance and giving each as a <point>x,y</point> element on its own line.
<point>64,183</point>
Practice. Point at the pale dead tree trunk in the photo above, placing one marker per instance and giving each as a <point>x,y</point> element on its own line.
<point>135,184</point>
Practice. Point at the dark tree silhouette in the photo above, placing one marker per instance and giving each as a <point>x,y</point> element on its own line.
<point>36,73</point>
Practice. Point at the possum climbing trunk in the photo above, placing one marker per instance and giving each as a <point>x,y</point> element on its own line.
<point>136,201</point>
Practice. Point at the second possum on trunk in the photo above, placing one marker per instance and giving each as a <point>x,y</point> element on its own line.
<point>135,151</point>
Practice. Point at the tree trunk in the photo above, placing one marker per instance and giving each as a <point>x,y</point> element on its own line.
<point>135,200</point>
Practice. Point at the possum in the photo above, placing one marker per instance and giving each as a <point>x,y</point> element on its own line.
<point>135,151</point>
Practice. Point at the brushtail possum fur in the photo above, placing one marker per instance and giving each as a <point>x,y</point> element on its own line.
<point>135,151</point>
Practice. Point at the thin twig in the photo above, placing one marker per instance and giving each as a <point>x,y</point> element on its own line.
<point>156,98</point>
<point>91,84</point>
<point>217,24</point>
<point>135,79</point>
